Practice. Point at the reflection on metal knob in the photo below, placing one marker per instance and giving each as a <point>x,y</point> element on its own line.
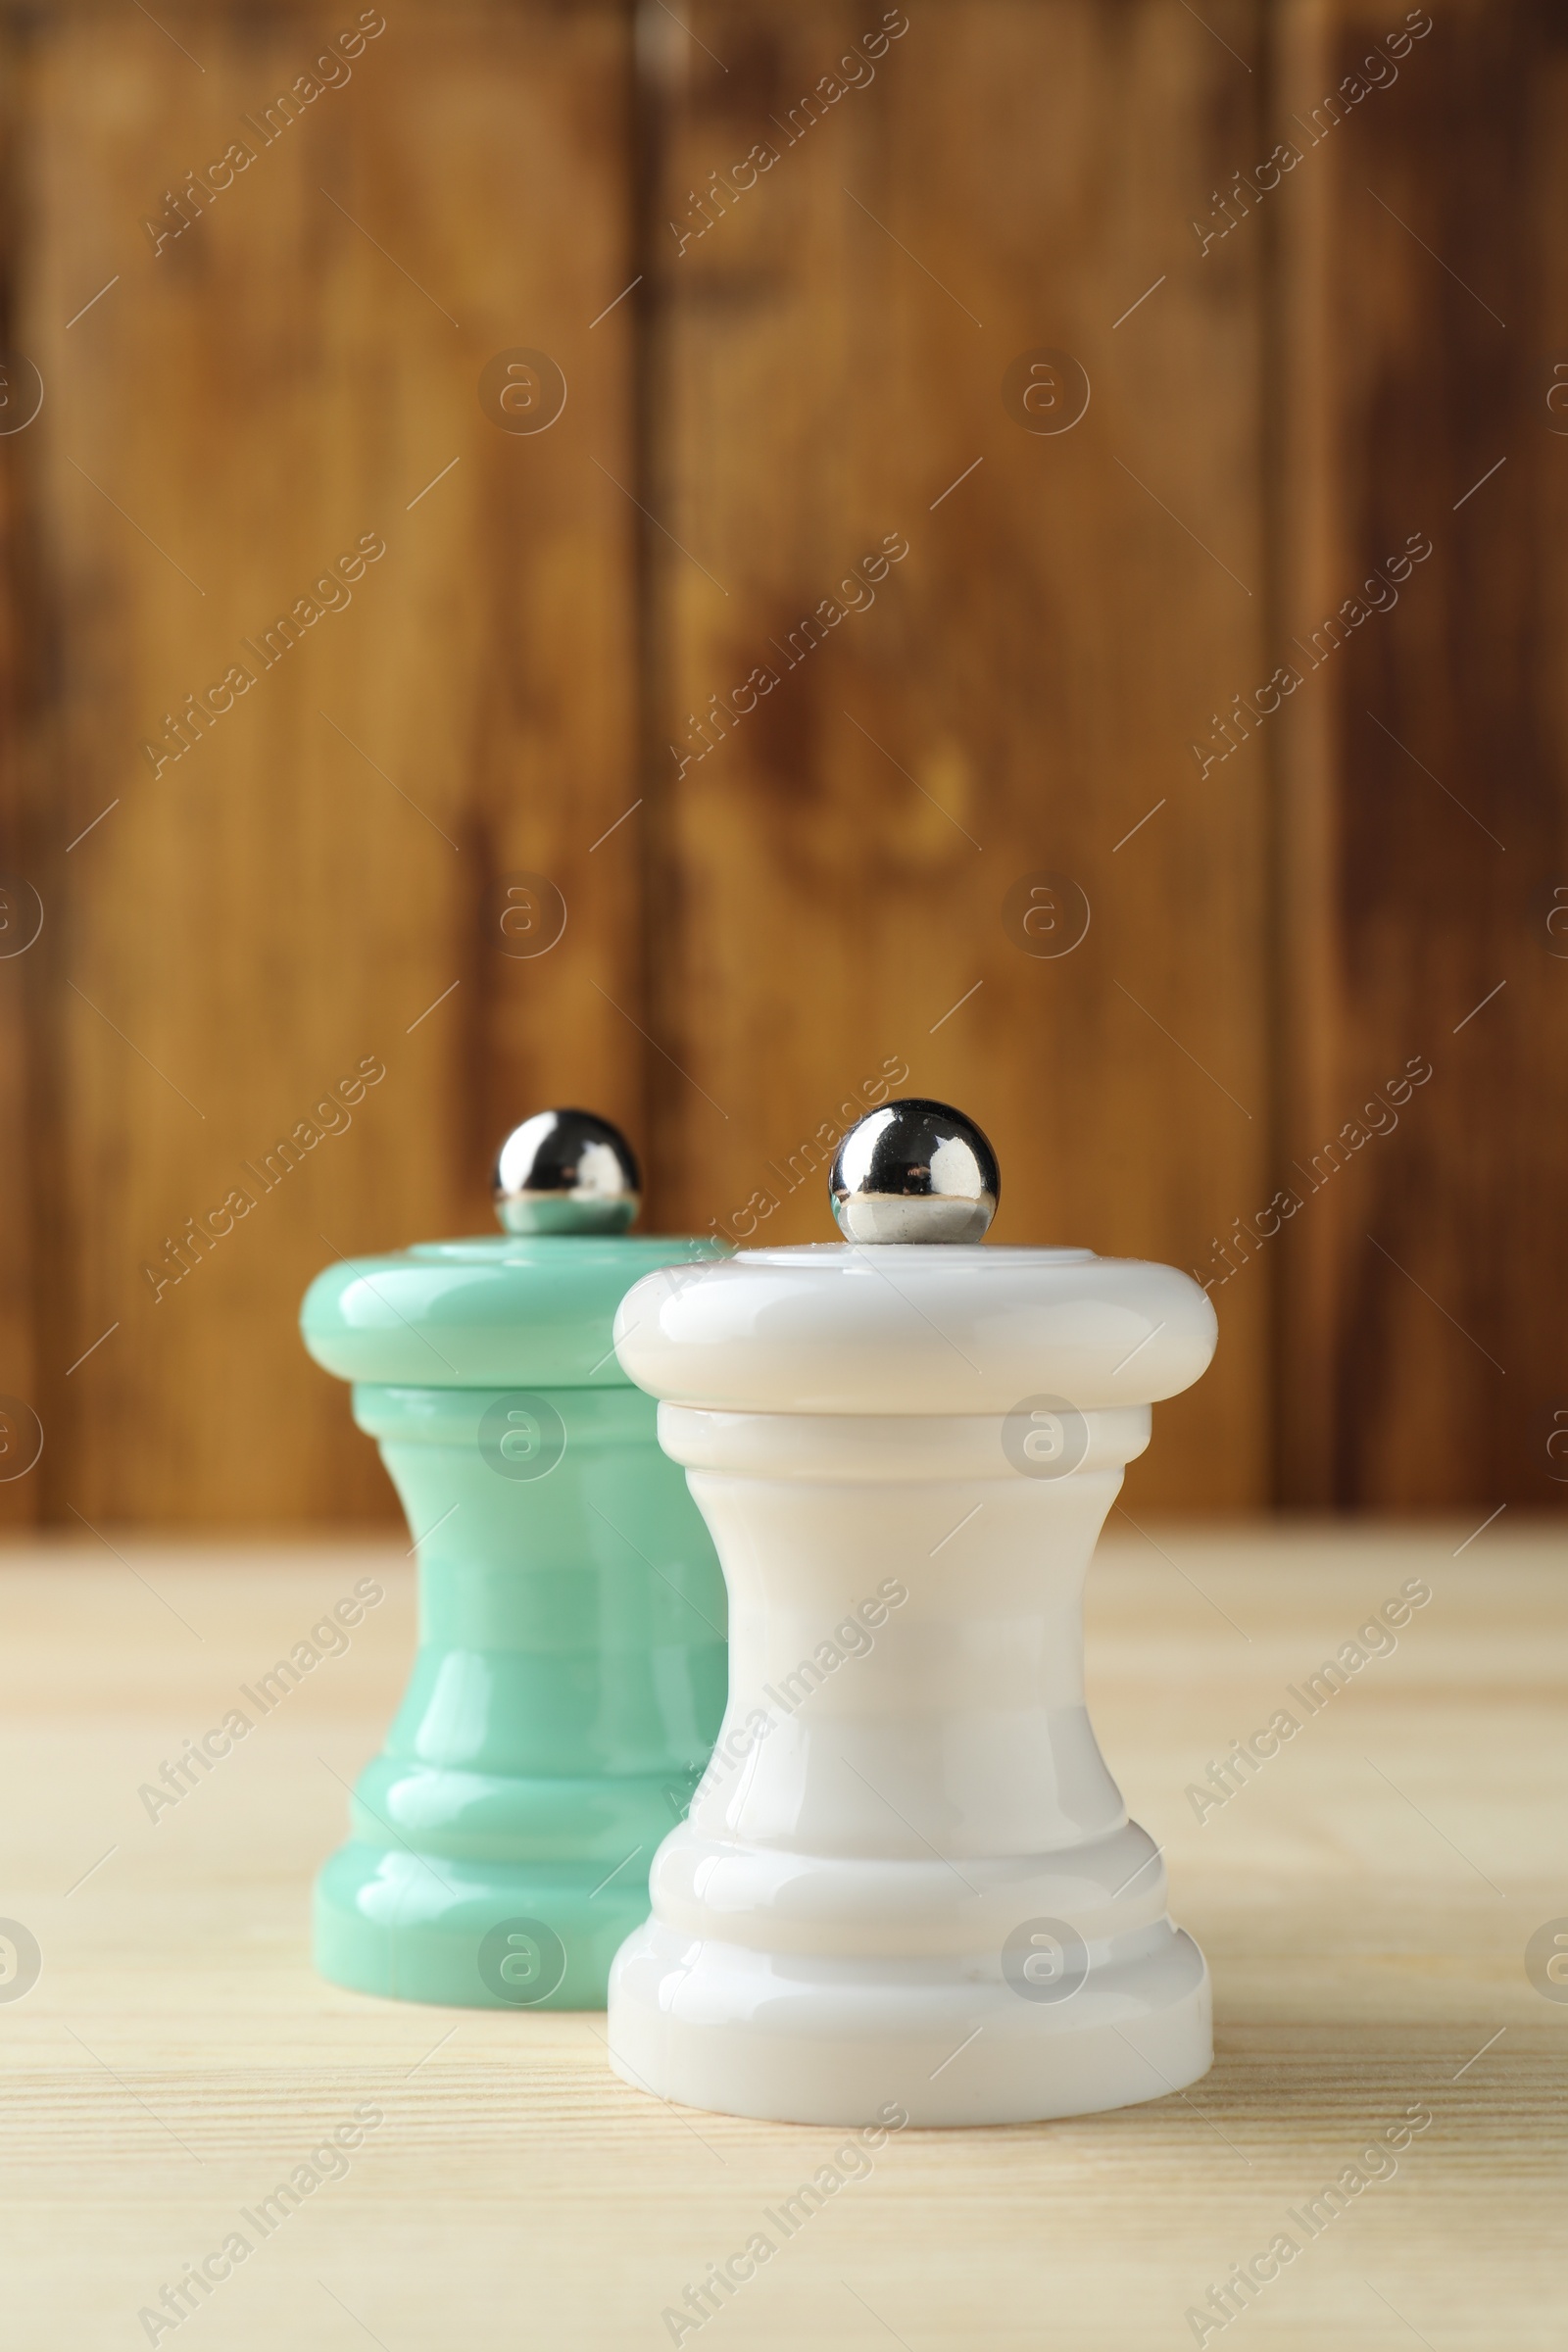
<point>566,1171</point>
<point>914,1171</point>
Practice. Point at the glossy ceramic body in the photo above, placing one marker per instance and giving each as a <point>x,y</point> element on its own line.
<point>571,1670</point>
<point>908,1874</point>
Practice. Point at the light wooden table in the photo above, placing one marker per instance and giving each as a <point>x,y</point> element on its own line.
<point>1365,1902</point>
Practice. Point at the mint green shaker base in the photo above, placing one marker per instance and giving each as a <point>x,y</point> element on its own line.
<point>385,1924</point>
<point>572,1670</point>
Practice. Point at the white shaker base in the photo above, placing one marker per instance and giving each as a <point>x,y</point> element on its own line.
<point>805,2040</point>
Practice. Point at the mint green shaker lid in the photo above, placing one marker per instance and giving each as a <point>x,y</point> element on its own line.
<point>534,1306</point>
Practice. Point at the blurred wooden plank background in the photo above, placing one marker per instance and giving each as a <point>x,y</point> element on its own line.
<point>1422,283</point>
<point>316,880</point>
<point>794,265</point>
<point>829,361</point>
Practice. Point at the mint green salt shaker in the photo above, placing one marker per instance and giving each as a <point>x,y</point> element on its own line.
<point>571,1676</point>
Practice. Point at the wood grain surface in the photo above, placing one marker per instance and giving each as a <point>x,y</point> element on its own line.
<point>316,881</point>
<point>1423,774</point>
<point>1012,696</point>
<point>1364,1901</point>
<point>794,659</point>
